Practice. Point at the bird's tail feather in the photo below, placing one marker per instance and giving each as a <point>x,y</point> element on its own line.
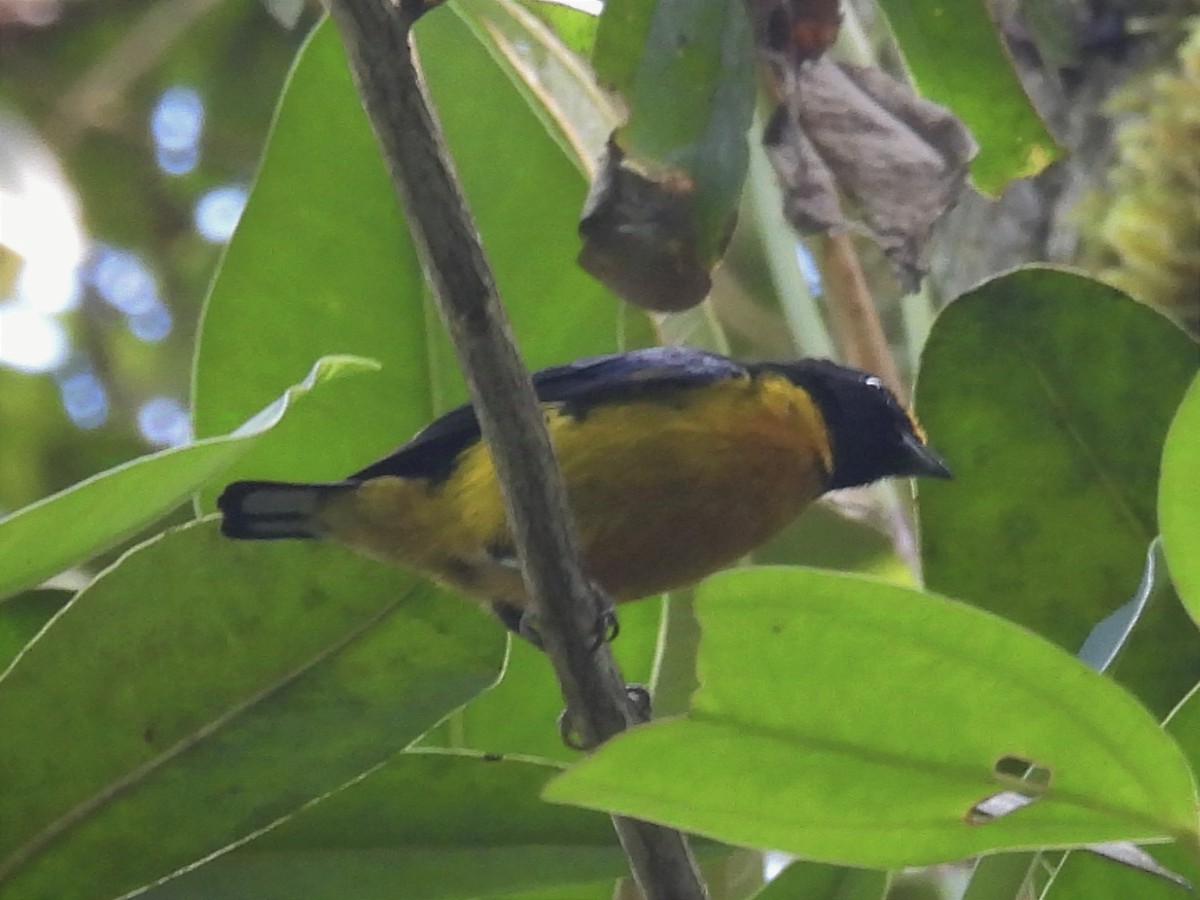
<point>270,510</point>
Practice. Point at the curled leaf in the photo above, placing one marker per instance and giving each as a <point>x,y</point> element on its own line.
<point>663,205</point>
<point>639,237</point>
<point>853,148</point>
<point>799,30</point>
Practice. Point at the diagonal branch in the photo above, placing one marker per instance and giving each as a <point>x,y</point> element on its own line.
<point>376,36</point>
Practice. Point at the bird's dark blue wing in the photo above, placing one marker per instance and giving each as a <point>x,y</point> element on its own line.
<point>586,383</point>
<point>578,387</point>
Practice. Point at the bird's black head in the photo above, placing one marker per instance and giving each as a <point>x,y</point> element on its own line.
<point>872,435</point>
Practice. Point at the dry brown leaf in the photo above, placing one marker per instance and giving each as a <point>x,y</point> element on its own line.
<point>638,236</point>
<point>856,149</point>
<point>798,30</point>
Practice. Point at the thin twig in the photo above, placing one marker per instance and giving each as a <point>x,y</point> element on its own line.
<point>860,334</point>
<point>96,98</point>
<point>856,321</point>
<point>376,36</point>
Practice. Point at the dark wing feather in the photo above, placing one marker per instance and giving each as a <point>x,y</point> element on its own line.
<point>587,383</point>
<point>578,386</point>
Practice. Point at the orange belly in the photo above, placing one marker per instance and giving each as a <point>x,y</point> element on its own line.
<point>672,530</point>
<point>661,494</point>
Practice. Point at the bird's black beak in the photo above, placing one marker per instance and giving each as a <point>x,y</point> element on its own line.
<point>921,461</point>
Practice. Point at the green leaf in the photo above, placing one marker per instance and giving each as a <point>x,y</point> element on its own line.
<point>1050,395</point>
<point>1179,500</point>
<point>855,722</point>
<point>621,33</point>
<point>1004,876</point>
<point>1084,876</point>
<point>575,28</point>
<point>76,524</point>
<point>675,677</point>
<point>441,826</point>
<point>602,890</point>
<point>24,616</point>
<point>1111,634</point>
<point>559,87</point>
<point>202,688</point>
<point>942,42</point>
<point>692,103</point>
<point>320,263</point>
<point>323,256</point>
<point>818,881</point>
<point>686,68</point>
<point>528,218</point>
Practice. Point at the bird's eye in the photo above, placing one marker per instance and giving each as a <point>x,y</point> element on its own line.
<point>874,381</point>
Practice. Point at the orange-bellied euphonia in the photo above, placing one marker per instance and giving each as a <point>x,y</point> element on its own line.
<point>677,462</point>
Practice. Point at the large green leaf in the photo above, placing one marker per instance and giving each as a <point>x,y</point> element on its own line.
<point>621,34</point>
<point>76,524</point>
<point>575,28</point>
<point>1050,394</point>
<point>1003,876</point>
<point>818,881</point>
<point>202,688</point>
<point>560,88</point>
<point>22,617</point>
<point>425,826</point>
<point>1087,877</point>
<point>322,259</point>
<point>528,217</point>
<point>692,94</point>
<point>957,59</point>
<point>852,721</point>
<point>1179,500</point>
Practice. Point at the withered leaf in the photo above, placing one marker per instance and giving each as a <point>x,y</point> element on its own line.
<point>639,235</point>
<point>854,148</point>
<point>798,30</point>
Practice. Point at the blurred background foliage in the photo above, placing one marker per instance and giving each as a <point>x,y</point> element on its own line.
<point>129,135</point>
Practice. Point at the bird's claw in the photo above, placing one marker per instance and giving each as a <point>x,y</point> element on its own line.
<point>605,629</point>
<point>567,733</point>
<point>639,699</point>
<point>527,628</point>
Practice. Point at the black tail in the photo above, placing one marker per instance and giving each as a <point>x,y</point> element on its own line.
<point>270,510</point>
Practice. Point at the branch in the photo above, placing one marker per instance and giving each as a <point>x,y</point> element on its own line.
<point>859,333</point>
<point>855,317</point>
<point>376,37</point>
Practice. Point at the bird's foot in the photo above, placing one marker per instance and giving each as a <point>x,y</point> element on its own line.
<point>639,698</point>
<point>524,622</point>
<point>606,628</point>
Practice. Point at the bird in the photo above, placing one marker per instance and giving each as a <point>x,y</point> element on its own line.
<point>677,463</point>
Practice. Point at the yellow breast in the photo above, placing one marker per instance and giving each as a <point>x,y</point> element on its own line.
<point>666,495</point>
<point>662,492</point>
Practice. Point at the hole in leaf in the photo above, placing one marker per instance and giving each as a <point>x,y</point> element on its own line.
<point>1028,781</point>
<point>1023,770</point>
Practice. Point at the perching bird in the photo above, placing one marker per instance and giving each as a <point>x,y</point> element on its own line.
<point>677,462</point>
